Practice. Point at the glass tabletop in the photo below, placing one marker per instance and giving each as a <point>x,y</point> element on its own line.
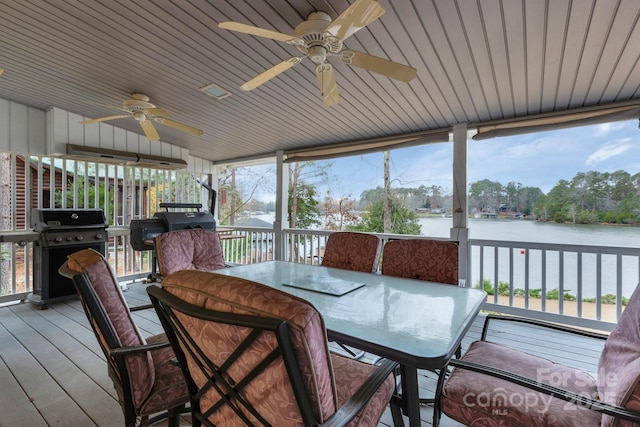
<point>414,322</point>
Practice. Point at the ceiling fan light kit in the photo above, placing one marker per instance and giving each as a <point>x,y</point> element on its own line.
<point>318,38</point>
<point>145,112</point>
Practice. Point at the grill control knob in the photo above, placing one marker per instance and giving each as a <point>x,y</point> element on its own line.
<point>69,238</point>
<point>58,239</point>
<point>79,238</point>
<point>99,236</point>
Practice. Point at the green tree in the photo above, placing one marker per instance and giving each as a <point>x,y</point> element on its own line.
<point>307,207</point>
<point>485,196</point>
<point>303,205</point>
<point>403,219</point>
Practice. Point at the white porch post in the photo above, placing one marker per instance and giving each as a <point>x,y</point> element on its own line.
<point>460,230</point>
<point>282,198</point>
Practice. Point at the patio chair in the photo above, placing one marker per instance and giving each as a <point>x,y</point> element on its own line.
<point>517,388</point>
<point>256,356</point>
<point>422,259</point>
<point>145,379</point>
<point>190,249</point>
<point>352,251</point>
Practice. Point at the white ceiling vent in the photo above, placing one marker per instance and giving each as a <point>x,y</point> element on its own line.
<point>215,91</point>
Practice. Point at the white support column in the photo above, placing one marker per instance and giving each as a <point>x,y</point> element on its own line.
<point>460,230</point>
<point>282,199</point>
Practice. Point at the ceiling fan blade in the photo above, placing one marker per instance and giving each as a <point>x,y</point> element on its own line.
<point>156,111</point>
<point>271,73</point>
<point>327,84</point>
<point>179,126</point>
<point>149,130</point>
<point>378,65</point>
<point>261,32</point>
<point>357,16</point>
<point>104,119</point>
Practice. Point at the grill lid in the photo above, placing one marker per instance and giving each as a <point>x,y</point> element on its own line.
<point>56,219</point>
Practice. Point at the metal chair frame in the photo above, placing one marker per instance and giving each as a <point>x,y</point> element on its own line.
<point>168,305</point>
<point>115,353</point>
<point>581,400</point>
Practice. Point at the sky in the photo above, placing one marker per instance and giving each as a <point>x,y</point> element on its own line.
<point>533,160</point>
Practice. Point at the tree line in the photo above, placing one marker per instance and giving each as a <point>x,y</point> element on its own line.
<point>592,197</point>
<point>588,198</point>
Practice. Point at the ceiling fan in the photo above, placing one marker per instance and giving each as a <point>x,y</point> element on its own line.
<point>317,38</point>
<point>145,112</point>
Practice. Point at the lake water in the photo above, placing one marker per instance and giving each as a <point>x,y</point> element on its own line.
<point>531,231</point>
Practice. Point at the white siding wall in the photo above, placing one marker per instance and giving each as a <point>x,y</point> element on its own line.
<point>22,128</point>
<point>64,127</point>
<point>30,130</point>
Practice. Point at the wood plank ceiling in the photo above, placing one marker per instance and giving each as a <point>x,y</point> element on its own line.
<point>476,61</point>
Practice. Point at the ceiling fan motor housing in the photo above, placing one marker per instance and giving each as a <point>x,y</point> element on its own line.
<point>137,104</point>
<point>317,42</point>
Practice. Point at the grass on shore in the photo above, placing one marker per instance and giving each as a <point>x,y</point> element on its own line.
<point>504,289</point>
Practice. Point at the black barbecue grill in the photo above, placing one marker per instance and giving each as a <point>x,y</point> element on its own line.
<point>143,231</point>
<point>62,232</point>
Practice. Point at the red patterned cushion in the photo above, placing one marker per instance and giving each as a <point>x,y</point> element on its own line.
<point>193,249</point>
<point>422,259</point>
<point>225,293</point>
<point>98,271</point>
<point>619,366</point>
<point>352,251</point>
<point>350,374</point>
<point>476,399</point>
<point>270,392</point>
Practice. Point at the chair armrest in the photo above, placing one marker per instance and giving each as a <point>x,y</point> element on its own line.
<point>580,400</point>
<point>124,351</point>
<point>362,396</point>
<point>539,323</point>
<point>141,307</point>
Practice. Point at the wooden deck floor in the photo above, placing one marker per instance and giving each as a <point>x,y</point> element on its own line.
<point>52,372</point>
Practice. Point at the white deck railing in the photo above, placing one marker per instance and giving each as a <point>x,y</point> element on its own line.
<point>572,284</point>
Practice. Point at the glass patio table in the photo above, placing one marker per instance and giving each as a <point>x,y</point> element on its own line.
<point>418,324</point>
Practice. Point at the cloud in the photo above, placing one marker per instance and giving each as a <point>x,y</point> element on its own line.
<point>606,128</point>
<point>607,151</point>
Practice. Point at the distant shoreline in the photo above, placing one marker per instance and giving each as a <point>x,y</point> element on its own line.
<point>526,218</point>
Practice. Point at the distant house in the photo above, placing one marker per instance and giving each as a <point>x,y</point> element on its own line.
<point>252,222</point>
<point>42,187</point>
<point>32,189</point>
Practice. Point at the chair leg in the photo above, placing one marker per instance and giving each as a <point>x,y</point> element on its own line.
<point>439,388</point>
<point>396,415</point>
<point>173,416</point>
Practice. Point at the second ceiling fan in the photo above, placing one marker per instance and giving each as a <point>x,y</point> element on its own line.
<point>145,112</point>
<point>318,38</point>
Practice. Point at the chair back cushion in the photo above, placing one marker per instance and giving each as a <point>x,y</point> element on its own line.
<point>270,392</point>
<point>422,259</point>
<point>113,305</point>
<point>192,249</point>
<point>352,251</point>
<point>619,366</point>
